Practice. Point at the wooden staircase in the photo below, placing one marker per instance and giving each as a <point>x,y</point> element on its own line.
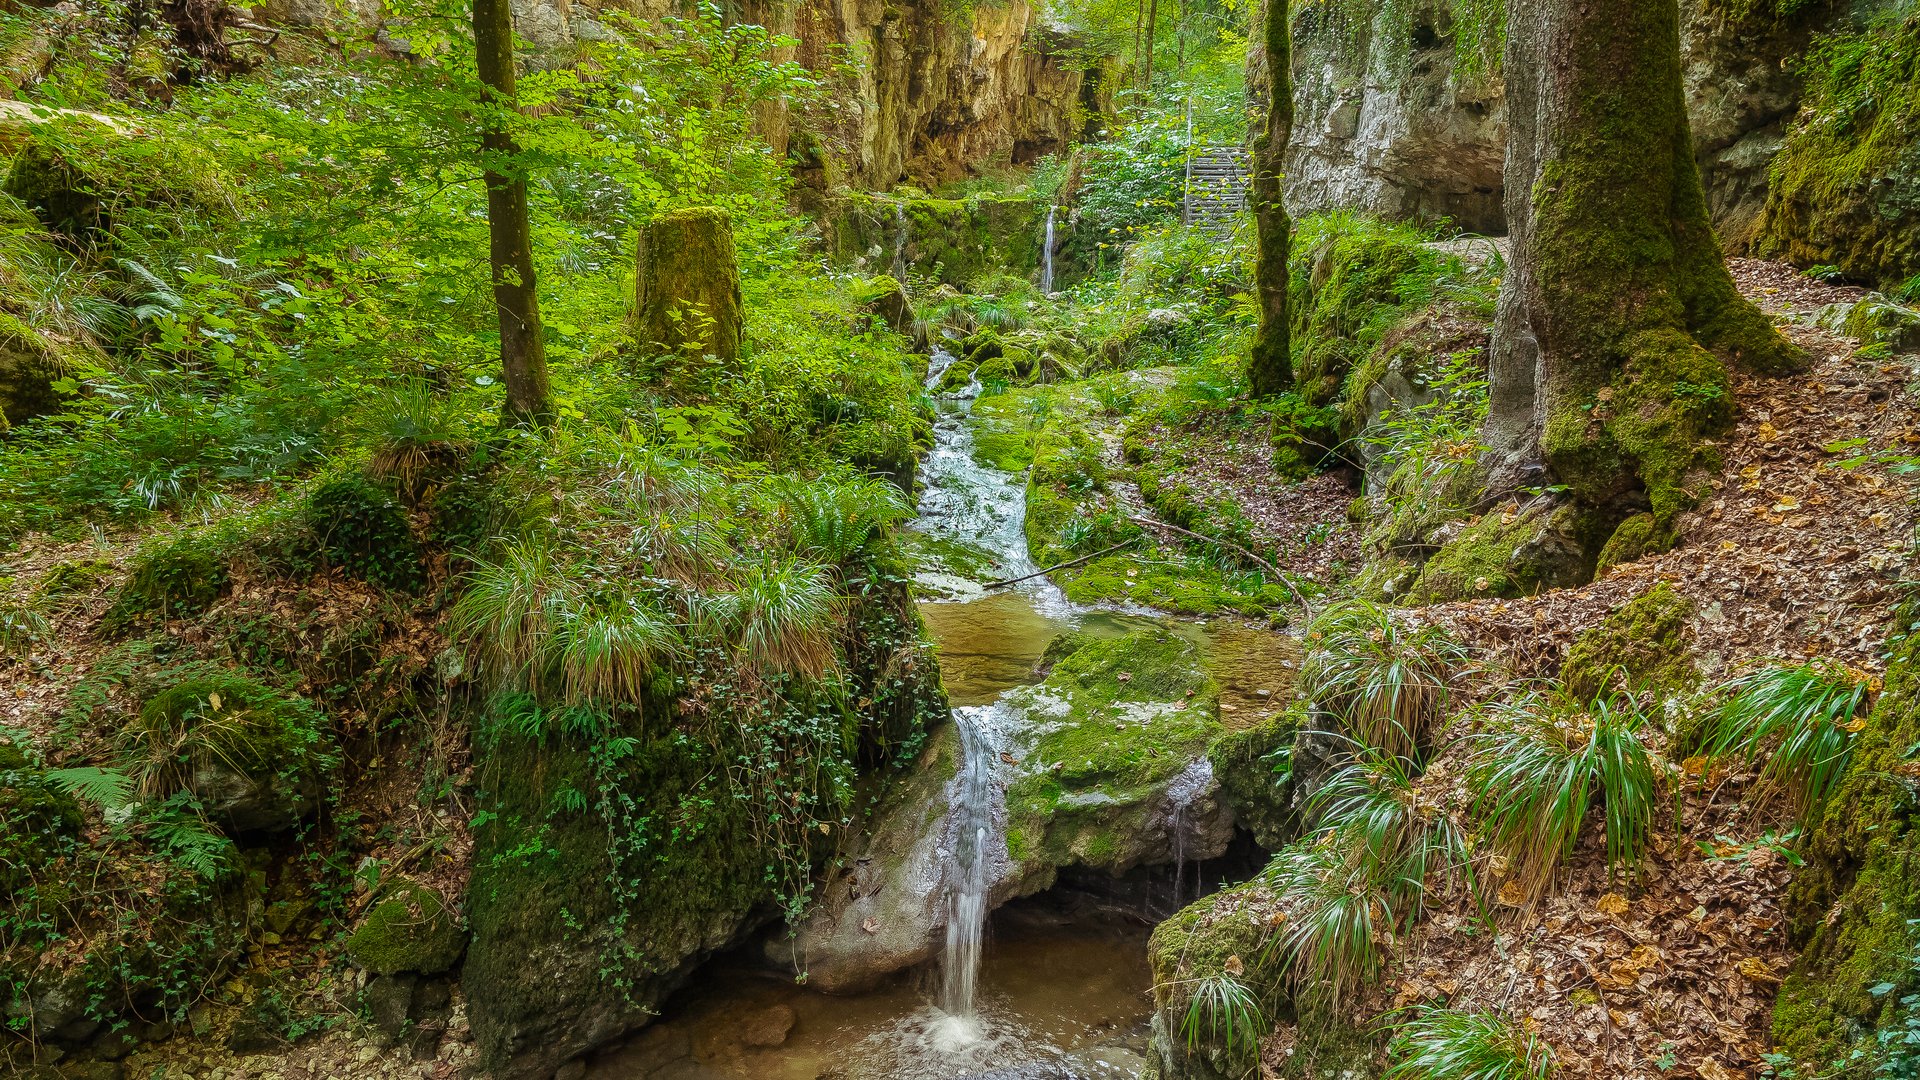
<point>1216,188</point>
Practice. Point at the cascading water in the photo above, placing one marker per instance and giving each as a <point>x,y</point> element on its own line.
<point>1046,254</point>
<point>973,830</point>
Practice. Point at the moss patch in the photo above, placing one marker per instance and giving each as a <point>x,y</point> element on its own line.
<point>1253,765</point>
<point>1854,902</point>
<point>409,929</point>
<point>256,758</point>
<point>1509,554</point>
<point>1646,643</point>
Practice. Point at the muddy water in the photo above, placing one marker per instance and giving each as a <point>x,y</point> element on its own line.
<point>1055,1001</point>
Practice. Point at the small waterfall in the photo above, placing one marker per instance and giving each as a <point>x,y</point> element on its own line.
<point>937,365</point>
<point>1046,254</point>
<point>967,876</point>
<point>899,265</point>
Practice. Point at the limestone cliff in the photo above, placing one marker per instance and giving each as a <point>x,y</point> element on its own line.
<point>925,92</point>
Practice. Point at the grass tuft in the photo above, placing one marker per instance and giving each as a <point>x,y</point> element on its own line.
<point>1387,685</point>
<point>1803,720</point>
<point>1453,1044</point>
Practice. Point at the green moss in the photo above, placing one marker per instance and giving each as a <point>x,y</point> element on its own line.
<point>1351,280</point>
<point>409,929</point>
<point>1647,641</point>
<point>1209,938</point>
<point>1253,766</point>
<point>83,179</point>
<point>30,366</point>
<point>73,576</point>
<point>957,242</point>
<point>1123,716</point>
<point>1638,536</point>
<point>173,577</point>
<point>1509,554</point>
<point>256,758</point>
<point>1853,903</point>
<point>1844,190</point>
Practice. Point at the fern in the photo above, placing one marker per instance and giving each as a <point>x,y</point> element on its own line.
<point>109,789</point>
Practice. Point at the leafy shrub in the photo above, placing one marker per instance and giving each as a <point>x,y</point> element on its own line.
<point>1454,1044</point>
<point>1539,767</point>
<point>364,533</point>
<point>1802,719</point>
<point>1386,684</point>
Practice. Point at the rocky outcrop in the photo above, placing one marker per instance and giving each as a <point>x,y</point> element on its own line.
<point>1101,768</point>
<point>920,92</point>
<point>1391,125</point>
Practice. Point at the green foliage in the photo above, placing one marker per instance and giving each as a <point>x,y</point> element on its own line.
<point>1220,1009</point>
<point>364,534</point>
<point>1333,942</point>
<point>1803,719</point>
<point>413,433</point>
<point>1539,767</point>
<point>1399,837</point>
<point>1456,1044</point>
<point>1386,684</point>
<point>836,520</point>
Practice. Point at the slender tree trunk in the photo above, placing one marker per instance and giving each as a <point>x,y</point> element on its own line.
<point>1180,43</point>
<point>1617,317</point>
<point>523,354</point>
<point>1270,365</point>
<point>1146,66</point>
<point>1139,21</point>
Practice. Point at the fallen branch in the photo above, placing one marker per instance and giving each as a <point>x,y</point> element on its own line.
<point>1061,565</point>
<point>1271,569</point>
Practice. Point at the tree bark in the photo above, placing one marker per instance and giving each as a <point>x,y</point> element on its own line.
<point>523,354</point>
<point>1146,65</point>
<point>1617,317</point>
<point>1270,364</point>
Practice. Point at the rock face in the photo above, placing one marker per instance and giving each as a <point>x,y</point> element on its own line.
<point>1089,770</point>
<point>1395,128</point>
<point>931,96</point>
<point>956,242</point>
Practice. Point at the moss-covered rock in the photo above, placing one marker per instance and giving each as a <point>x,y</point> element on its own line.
<point>1344,294</point>
<point>256,758</point>
<point>1254,765</point>
<point>30,366</point>
<point>1511,553</point>
<point>1874,320</point>
<point>1637,537</point>
<point>409,929</point>
<point>82,178</point>
<point>1229,934</point>
<point>957,242</point>
<point>1854,903</point>
<point>687,282</point>
<point>1645,644</point>
<point>886,299</point>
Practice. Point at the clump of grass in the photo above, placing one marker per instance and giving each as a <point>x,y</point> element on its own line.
<point>1394,833</point>
<point>1536,773</point>
<point>1222,1010</point>
<point>1803,720</point>
<point>782,618</point>
<point>413,432</point>
<point>1339,919</point>
<point>1386,684</point>
<point>1455,1044</point>
<point>21,628</point>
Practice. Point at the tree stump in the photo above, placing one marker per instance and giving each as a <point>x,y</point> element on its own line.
<point>688,284</point>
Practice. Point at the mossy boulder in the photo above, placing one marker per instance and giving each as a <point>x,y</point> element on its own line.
<point>1254,765</point>
<point>409,929</point>
<point>1874,320</point>
<point>38,821</point>
<point>1512,552</point>
<point>1853,906</point>
<point>1229,934</point>
<point>31,365</point>
<point>1637,537</point>
<point>687,282</point>
<point>957,242</point>
<point>1343,296</point>
<point>83,178</point>
<point>257,759</point>
<point>1646,643</point>
<point>885,298</point>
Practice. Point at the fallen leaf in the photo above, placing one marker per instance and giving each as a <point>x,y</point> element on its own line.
<point>871,925</point>
<point>1612,904</point>
<point>1757,969</point>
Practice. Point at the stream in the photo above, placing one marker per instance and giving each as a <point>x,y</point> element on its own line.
<point>1033,991</point>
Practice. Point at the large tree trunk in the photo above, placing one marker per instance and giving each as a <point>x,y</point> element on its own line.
<point>1617,317</point>
<point>523,353</point>
<point>1270,365</point>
